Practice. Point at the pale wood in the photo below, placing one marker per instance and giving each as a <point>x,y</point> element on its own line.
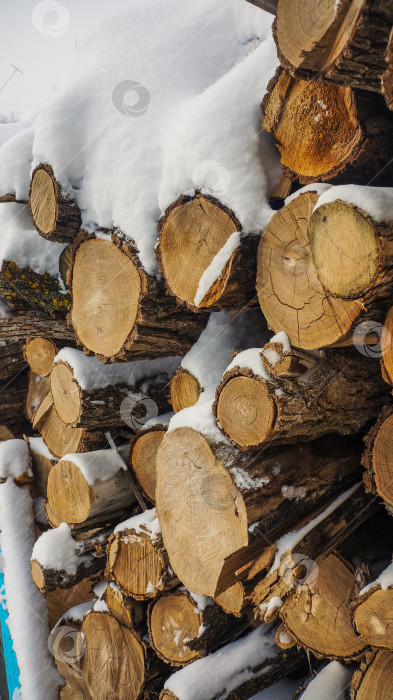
<point>39,354</point>
<point>61,439</point>
<point>42,412</point>
<point>374,679</point>
<point>185,390</point>
<point>377,457</point>
<point>142,461</point>
<point>38,388</point>
<point>55,215</point>
<point>5,433</point>
<point>126,610</point>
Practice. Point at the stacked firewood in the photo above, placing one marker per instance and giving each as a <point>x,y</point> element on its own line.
<point>209,459</point>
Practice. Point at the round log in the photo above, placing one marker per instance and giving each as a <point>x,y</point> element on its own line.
<point>89,488</point>
<point>23,288</point>
<point>56,216</point>
<point>142,461</point>
<point>318,617</point>
<point>28,323</point>
<point>126,610</point>
<point>61,439</point>
<point>387,78</point>
<point>185,390</point>
<point>39,354</point>
<point>123,313</point>
<point>196,230</point>
<point>378,475</point>
<point>344,42</point>
<point>38,389</point>
<point>372,617</point>
<point>373,681</point>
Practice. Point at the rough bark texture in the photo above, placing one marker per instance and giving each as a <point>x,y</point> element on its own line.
<point>103,407</point>
<point>55,215</point>
<point>13,395</point>
<point>387,78</point>
<point>22,288</point>
<point>50,579</point>
<point>231,490</point>
<point>11,359</point>
<point>328,132</point>
<point>349,51</point>
<point>29,323</point>
<point>194,229</point>
<point>340,394</point>
<point>155,325</point>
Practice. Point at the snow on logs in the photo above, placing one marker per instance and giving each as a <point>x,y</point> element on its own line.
<point>184,627</point>
<point>89,489</point>
<point>328,131</point>
<point>328,631</point>
<point>58,561</point>
<point>373,679</point>
<point>88,394</point>
<point>372,611</point>
<point>15,462</point>
<point>241,669</point>
<point>333,391</point>
<point>290,293</point>
<point>203,366</point>
<point>124,312</point>
<point>241,502</point>
<point>344,43</point>
<point>29,275</point>
<point>56,216</point>
<point>136,558</point>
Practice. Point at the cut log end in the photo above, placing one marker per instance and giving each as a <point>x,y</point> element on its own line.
<point>143,455</point>
<point>374,679</point>
<point>39,354</point>
<point>251,399</point>
<point>174,619</point>
<point>185,390</point>
<point>37,574</point>
<point>377,457</point>
<point>373,618</point>
<point>65,392</point>
<point>69,495</point>
<point>43,201</point>
<point>345,249</point>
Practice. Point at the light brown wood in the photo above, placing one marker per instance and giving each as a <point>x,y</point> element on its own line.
<point>377,457</point>
<point>41,468</point>
<point>289,292</point>
<point>126,610</point>
<point>65,392</point>
<point>318,617</point>
<point>42,412</point>
<point>387,348</point>
<point>185,390</point>
<point>55,215</point>
<point>229,491</point>
<point>373,617</point>
<point>194,230</point>
<point>232,600</point>
<point>283,639</point>
<point>387,78</point>
<point>373,681</point>
<point>61,439</point>
<point>142,461</point>
<point>73,500</point>
<point>39,354</point>
<point>5,433</point>
<point>38,388</point>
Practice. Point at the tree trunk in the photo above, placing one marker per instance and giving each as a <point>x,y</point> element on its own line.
<point>126,610</point>
<point>317,614</point>
<point>291,296</point>
<point>339,394</point>
<point>328,132</point>
<point>230,490</point>
<point>89,488</point>
<point>372,611</point>
<point>13,396</point>
<point>55,215</point>
<point>48,580</point>
<point>387,78</point>
<point>123,313</point>
<point>96,396</point>
<point>116,663</point>
<point>11,359</point>
<point>29,323</point>
<point>185,390</point>
<point>183,628</point>
<point>373,680</point>
<point>341,43</point>
<point>195,230</point>
<point>297,555</point>
<point>377,457</point>
<point>61,439</point>
<point>236,672</point>
<point>142,460</point>
<point>137,560</point>
<point>362,248</point>
<point>23,289</point>
<point>39,354</point>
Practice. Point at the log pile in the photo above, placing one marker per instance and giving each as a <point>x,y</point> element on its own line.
<point>239,532</point>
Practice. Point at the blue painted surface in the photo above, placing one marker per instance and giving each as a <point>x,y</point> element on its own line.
<point>11,665</point>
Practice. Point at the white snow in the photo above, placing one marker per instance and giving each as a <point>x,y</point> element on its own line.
<point>293,493</point>
<point>123,98</point>
<point>384,580</point>
<point>77,613</point>
<point>100,606</point>
<point>375,201</point>
<point>287,542</point>
<point>14,459</point>
<point>38,447</point>
<point>140,523</point>
<point>20,243</point>
<point>199,417</point>
<point>285,638</point>
<point>100,588</point>
<point>214,270</point>
<point>274,603</point>
<point>329,684</point>
<point>221,672</point>
<point>318,187</point>
<point>100,465</point>
<point>16,156</point>
<point>250,359</point>
<point>28,613</point>
<point>56,549</point>
<point>202,601</point>
<point>243,480</point>
<point>209,356</point>
<point>230,157</point>
<point>283,690</point>
<point>92,374</point>
<point>163,419</point>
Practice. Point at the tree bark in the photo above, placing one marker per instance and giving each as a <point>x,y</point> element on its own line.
<point>29,323</point>
<point>377,457</point>
<point>328,132</point>
<point>11,359</point>
<point>317,614</point>
<point>124,313</point>
<point>77,494</point>
<point>195,229</point>
<point>23,288</point>
<point>339,394</point>
<point>290,294</point>
<point>387,78</point>
<point>230,491</point>
<point>342,44</point>
<point>55,215</point>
